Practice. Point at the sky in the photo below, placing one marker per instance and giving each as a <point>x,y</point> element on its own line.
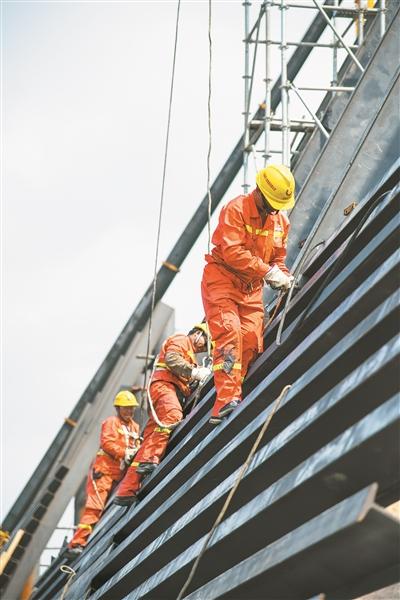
<point>85,91</point>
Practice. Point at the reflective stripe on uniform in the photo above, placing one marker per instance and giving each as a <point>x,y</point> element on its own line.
<point>163,430</point>
<point>84,526</point>
<point>134,464</point>
<point>220,366</point>
<point>161,365</point>
<point>263,232</point>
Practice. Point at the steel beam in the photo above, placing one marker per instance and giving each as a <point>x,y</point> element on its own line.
<point>328,548</point>
<point>316,484</point>
<point>360,116</point>
<point>329,416</point>
<point>170,481</point>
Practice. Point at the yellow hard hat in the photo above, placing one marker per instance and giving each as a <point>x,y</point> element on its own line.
<point>125,398</point>
<point>277,184</point>
<point>204,328</point>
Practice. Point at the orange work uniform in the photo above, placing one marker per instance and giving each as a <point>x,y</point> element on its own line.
<point>172,375</point>
<point>106,470</point>
<point>245,249</point>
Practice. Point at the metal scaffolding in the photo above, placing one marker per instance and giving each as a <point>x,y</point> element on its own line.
<point>354,14</point>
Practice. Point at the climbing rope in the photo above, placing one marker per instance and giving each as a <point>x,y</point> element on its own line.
<point>161,205</point>
<point>71,574</point>
<point>272,317</point>
<point>234,488</point>
<point>209,151</point>
<point>147,383</point>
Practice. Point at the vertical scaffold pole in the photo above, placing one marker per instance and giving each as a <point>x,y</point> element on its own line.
<point>268,83</point>
<point>360,37</point>
<point>284,88</point>
<point>246,112</point>
<point>382,17</point>
<point>335,51</point>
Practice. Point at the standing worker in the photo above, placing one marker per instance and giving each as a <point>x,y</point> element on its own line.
<point>175,369</point>
<point>119,442</point>
<point>249,249</point>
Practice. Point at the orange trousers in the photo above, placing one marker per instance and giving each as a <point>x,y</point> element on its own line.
<point>97,493</point>
<point>155,438</point>
<point>235,319</point>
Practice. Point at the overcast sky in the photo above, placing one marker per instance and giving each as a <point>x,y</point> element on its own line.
<point>85,88</point>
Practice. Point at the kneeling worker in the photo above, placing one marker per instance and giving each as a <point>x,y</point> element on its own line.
<point>175,369</point>
<point>119,442</point>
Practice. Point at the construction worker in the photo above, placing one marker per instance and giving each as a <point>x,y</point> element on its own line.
<point>175,369</point>
<point>119,442</point>
<point>249,250</point>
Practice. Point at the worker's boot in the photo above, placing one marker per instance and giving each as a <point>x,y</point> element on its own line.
<point>125,500</point>
<point>224,412</point>
<point>146,468</point>
<point>73,552</point>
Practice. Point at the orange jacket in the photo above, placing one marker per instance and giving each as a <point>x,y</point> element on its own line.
<point>176,344</point>
<point>246,247</point>
<point>115,437</point>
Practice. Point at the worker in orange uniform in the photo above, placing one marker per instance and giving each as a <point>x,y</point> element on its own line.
<point>119,442</point>
<point>249,250</point>
<point>175,369</point>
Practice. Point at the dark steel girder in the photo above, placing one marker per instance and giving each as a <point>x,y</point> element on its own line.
<point>312,430</point>
<point>330,475</point>
<point>138,520</point>
<point>331,547</point>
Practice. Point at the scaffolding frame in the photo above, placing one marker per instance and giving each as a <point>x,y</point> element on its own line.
<point>332,13</point>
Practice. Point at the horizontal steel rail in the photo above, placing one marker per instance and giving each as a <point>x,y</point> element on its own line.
<point>338,409</point>
<point>307,490</point>
<point>334,361</point>
<point>338,537</point>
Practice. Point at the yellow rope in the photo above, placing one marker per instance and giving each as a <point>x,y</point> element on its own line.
<point>71,574</point>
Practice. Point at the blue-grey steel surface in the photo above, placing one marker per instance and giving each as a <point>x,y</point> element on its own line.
<point>320,552</point>
<point>338,408</point>
<point>303,488</point>
<point>333,163</point>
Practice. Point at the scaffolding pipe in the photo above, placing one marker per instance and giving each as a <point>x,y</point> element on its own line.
<point>293,122</point>
<point>335,50</point>
<point>313,115</point>
<point>360,23</point>
<point>382,17</point>
<point>341,10</point>
<point>284,88</point>
<point>335,31</point>
<point>336,88</point>
<point>268,83</point>
<point>297,44</point>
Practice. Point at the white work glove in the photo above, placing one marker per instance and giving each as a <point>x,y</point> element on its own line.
<point>277,279</point>
<point>200,373</point>
<point>129,454</point>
